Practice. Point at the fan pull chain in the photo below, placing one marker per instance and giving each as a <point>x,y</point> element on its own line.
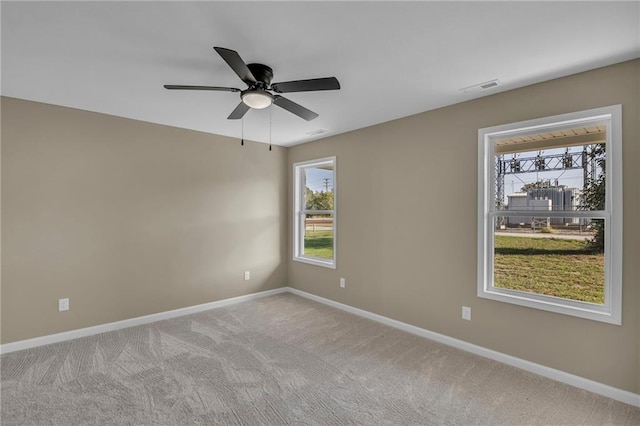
<point>242,131</point>
<point>270,110</point>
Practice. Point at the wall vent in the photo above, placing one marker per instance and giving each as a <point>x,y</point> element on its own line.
<point>481,86</point>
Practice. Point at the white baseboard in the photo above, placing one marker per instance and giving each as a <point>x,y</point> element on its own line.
<point>558,375</point>
<point>102,328</point>
<point>551,373</point>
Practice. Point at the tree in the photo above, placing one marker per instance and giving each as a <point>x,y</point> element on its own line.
<point>533,185</point>
<point>593,197</point>
<point>319,200</point>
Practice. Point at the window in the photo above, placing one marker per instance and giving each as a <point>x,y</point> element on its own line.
<point>315,212</point>
<point>550,214</point>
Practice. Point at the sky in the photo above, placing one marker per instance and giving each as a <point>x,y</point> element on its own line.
<point>316,179</point>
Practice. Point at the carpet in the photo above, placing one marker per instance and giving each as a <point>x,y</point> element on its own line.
<point>276,361</point>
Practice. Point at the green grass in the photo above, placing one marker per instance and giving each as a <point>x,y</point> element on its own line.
<point>549,266</point>
<point>319,244</point>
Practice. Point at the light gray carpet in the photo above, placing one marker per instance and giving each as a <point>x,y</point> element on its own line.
<point>280,360</point>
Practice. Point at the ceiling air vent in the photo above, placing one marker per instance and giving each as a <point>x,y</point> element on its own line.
<point>316,132</point>
<point>481,86</point>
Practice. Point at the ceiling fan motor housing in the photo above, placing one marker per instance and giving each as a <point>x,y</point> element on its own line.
<point>262,73</point>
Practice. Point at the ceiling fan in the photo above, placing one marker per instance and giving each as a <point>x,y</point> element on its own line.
<point>258,94</point>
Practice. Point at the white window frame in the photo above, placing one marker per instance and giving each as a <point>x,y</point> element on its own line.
<point>299,213</point>
<point>611,310</point>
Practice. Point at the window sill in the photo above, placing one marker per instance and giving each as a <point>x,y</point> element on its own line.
<point>553,304</point>
<point>315,261</point>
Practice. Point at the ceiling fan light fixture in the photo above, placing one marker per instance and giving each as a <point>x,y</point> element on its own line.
<point>257,99</point>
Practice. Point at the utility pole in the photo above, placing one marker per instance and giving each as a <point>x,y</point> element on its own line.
<point>326,184</point>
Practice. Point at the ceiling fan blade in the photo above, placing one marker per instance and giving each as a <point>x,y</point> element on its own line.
<point>327,83</point>
<point>239,112</point>
<point>181,87</point>
<point>294,108</point>
<point>233,59</point>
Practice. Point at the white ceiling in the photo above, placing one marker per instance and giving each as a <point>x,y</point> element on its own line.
<point>392,59</point>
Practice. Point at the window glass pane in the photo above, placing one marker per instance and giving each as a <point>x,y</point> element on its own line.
<point>318,191</point>
<point>557,170</point>
<point>314,193</point>
<point>318,236</point>
<point>561,257</point>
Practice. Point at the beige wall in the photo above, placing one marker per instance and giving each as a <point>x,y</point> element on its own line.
<point>407,200</point>
<point>128,218</point>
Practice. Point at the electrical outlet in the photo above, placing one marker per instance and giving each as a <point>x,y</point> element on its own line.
<point>63,305</point>
<point>343,283</point>
<point>247,275</point>
<point>466,313</point>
